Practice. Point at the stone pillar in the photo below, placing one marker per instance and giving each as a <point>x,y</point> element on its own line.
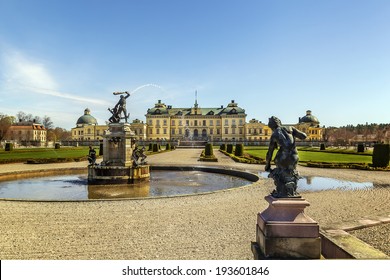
<point>284,231</point>
<point>118,145</point>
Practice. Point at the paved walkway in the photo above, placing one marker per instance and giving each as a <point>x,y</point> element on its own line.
<point>220,225</point>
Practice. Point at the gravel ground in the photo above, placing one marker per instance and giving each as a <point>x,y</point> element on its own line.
<point>219,225</point>
<point>378,237</point>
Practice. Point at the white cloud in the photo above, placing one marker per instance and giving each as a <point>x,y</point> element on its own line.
<point>23,74</point>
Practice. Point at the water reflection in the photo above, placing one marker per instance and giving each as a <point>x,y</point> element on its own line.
<point>75,187</point>
<point>313,183</point>
<point>118,191</point>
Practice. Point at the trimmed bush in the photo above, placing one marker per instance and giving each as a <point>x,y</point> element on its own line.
<point>150,147</point>
<point>223,147</point>
<point>9,147</point>
<point>209,150</point>
<point>381,155</point>
<point>57,146</point>
<point>229,148</point>
<point>155,148</point>
<point>239,152</point>
<point>168,147</point>
<point>360,148</point>
<point>322,147</point>
<point>100,149</point>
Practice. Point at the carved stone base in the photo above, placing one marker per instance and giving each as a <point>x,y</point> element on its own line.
<point>283,231</point>
<point>104,175</point>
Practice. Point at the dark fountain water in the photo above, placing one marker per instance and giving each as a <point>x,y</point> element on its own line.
<point>75,187</point>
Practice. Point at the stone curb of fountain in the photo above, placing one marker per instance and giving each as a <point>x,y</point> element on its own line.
<point>16,175</point>
<point>48,172</point>
<point>337,243</point>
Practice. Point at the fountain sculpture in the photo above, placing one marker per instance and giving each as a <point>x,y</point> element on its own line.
<point>283,230</point>
<point>123,162</point>
<point>285,174</point>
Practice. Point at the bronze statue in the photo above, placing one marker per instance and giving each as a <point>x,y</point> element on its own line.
<point>139,153</point>
<point>120,108</point>
<point>285,174</point>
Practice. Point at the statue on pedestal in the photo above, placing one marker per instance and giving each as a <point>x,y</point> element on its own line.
<point>120,108</point>
<point>285,174</point>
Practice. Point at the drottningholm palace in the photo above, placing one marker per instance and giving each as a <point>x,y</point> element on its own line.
<point>211,124</point>
<point>177,125</point>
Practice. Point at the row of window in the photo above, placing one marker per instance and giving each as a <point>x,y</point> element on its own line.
<point>196,122</point>
<point>257,131</point>
<point>27,132</point>
<point>195,132</point>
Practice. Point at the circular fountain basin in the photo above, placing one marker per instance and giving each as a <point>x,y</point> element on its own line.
<point>164,181</point>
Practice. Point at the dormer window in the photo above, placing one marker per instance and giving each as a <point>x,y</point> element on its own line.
<point>158,111</point>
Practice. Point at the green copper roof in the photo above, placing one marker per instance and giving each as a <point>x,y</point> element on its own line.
<point>162,109</point>
<point>86,118</point>
<point>309,118</point>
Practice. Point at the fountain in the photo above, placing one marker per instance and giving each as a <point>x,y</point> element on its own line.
<point>123,173</point>
<point>121,156</point>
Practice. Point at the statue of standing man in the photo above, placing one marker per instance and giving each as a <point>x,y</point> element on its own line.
<point>120,108</point>
<point>285,174</point>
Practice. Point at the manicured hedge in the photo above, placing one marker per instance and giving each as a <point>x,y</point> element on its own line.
<point>223,147</point>
<point>381,155</point>
<point>209,150</point>
<point>9,147</point>
<point>207,154</point>
<point>100,149</point>
<point>239,152</point>
<point>229,148</point>
<point>360,148</point>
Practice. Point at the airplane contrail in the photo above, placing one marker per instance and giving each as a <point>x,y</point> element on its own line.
<point>57,93</point>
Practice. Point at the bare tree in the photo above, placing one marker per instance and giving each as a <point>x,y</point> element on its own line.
<point>58,134</point>
<point>47,122</point>
<point>21,116</point>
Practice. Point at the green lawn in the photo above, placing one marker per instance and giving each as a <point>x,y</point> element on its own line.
<point>318,156</point>
<point>21,155</point>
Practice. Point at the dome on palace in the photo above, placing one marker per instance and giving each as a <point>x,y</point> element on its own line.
<point>309,118</point>
<point>86,118</point>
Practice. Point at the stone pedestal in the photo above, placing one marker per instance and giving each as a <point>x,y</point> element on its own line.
<point>118,145</point>
<point>118,166</point>
<point>284,231</point>
<point>106,175</point>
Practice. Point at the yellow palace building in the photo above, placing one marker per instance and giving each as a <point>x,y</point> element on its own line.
<point>196,123</point>
<point>212,124</point>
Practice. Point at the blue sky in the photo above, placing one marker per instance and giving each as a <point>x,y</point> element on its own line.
<point>272,57</point>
